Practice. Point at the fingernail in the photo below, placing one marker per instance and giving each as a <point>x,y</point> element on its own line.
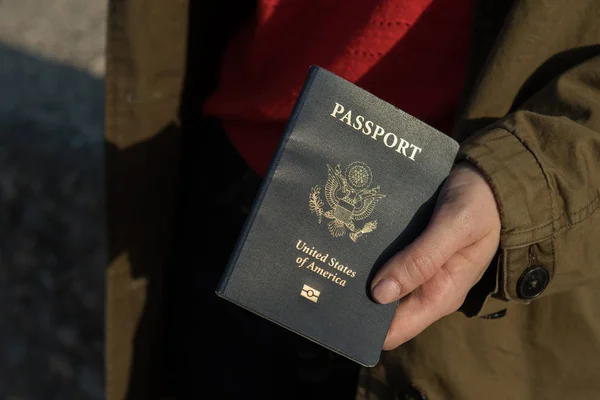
<point>386,291</point>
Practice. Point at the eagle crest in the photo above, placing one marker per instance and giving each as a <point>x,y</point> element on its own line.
<point>350,197</point>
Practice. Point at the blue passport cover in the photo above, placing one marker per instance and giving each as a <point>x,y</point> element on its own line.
<point>353,181</point>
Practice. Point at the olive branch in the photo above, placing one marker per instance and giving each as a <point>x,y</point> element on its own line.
<point>315,202</point>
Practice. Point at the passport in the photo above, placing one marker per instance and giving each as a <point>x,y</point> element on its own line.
<point>354,180</point>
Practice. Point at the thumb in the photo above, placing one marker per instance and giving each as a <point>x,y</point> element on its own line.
<point>447,232</point>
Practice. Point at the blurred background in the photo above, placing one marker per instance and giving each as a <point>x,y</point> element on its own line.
<point>51,200</point>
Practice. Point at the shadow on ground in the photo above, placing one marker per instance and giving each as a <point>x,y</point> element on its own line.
<point>51,230</point>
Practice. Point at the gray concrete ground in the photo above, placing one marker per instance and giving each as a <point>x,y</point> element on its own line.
<point>51,200</point>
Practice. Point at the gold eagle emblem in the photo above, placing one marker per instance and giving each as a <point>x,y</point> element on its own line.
<point>350,197</point>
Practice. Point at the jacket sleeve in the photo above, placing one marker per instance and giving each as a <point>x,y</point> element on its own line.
<point>543,163</point>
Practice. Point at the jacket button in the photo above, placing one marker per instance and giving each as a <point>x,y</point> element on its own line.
<point>532,282</point>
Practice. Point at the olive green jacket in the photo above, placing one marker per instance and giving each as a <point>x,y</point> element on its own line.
<point>529,119</point>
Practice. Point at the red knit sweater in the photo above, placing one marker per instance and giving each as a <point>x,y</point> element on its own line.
<point>411,53</point>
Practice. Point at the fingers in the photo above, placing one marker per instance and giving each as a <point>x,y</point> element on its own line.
<point>443,294</point>
<point>448,231</point>
<point>419,310</point>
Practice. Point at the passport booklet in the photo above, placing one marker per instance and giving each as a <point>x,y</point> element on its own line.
<point>353,181</point>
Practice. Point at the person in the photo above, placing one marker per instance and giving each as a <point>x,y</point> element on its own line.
<point>500,292</point>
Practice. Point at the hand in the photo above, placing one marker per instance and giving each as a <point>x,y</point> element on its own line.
<point>435,272</point>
